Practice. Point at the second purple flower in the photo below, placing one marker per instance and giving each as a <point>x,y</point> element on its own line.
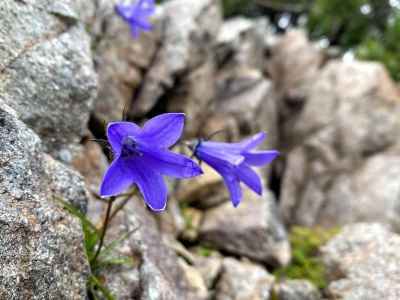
<point>233,161</point>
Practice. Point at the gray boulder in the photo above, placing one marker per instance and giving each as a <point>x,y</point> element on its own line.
<point>253,229</point>
<point>363,263</point>
<point>294,65</point>
<point>41,245</point>
<point>46,75</point>
<point>344,167</point>
<point>243,281</point>
<point>297,290</point>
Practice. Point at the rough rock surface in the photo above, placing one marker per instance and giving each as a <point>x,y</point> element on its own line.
<point>91,162</point>
<point>293,66</point>
<point>174,61</point>
<point>243,281</point>
<point>363,263</point>
<point>297,290</point>
<point>253,229</point>
<point>41,247</point>
<point>347,135</point>
<point>209,267</point>
<point>45,75</point>
<point>243,92</point>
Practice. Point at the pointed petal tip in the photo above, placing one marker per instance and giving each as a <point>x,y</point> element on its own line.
<point>157,210</point>
<point>196,170</point>
<point>235,204</point>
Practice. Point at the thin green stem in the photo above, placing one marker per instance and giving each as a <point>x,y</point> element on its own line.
<point>104,229</point>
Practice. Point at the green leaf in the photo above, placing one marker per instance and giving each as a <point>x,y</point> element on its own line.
<point>96,286</point>
<point>116,261</point>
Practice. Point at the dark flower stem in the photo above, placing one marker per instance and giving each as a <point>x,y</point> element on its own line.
<point>104,228</point>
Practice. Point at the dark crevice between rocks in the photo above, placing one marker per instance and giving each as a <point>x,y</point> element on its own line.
<point>98,130</point>
<point>275,178</point>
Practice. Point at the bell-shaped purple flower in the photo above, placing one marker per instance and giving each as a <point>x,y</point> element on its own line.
<point>142,158</point>
<point>136,15</point>
<point>233,161</point>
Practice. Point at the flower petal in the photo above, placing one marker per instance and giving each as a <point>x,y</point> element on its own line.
<point>125,11</point>
<point>231,157</point>
<point>141,23</point>
<point>253,141</point>
<point>220,146</point>
<point>260,158</point>
<point>163,130</point>
<point>146,7</point>
<point>233,185</point>
<point>117,179</point>
<point>239,147</point>
<point>249,178</point>
<point>227,171</point>
<point>151,184</point>
<point>169,163</point>
<point>116,131</point>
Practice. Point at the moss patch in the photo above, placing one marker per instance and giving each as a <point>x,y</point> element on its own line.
<point>306,263</point>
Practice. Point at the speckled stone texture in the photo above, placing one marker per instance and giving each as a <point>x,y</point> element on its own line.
<point>45,74</point>
<point>363,263</point>
<point>41,247</point>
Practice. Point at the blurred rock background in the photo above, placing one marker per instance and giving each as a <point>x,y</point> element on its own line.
<point>318,76</point>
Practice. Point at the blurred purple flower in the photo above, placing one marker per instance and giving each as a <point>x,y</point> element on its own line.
<point>136,15</point>
<point>233,162</point>
<point>142,158</point>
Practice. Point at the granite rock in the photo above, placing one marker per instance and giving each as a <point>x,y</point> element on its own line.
<point>41,245</point>
<point>363,263</point>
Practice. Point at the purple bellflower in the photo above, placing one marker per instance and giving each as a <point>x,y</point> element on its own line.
<point>233,161</point>
<point>142,158</point>
<point>136,15</point>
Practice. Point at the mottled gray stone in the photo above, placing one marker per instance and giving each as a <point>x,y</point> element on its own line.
<point>345,166</point>
<point>195,280</point>
<point>243,281</point>
<point>210,268</point>
<point>363,263</point>
<point>297,290</point>
<point>293,66</point>
<point>241,43</point>
<point>243,92</point>
<point>173,60</point>
<point>253,229</point>
<point>41,245</point>
<point>46,70</point>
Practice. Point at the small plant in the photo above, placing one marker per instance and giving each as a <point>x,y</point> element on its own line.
<point>100,256</point>
<point>204,251</point>
<point>306,263</point>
